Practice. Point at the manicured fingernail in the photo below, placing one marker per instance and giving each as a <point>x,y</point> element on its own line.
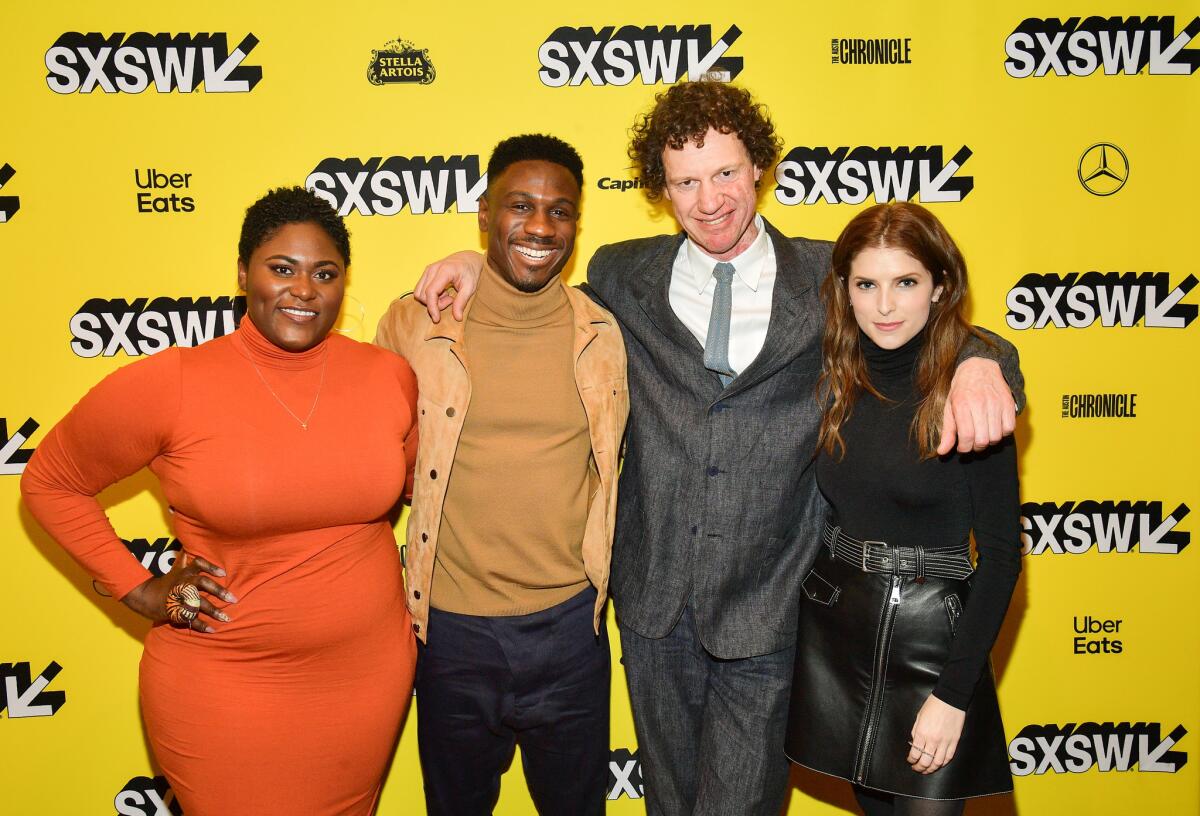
<point>220,573</point>
<point>229,597</point>
<point>208,630</point>
<point>221,616</point>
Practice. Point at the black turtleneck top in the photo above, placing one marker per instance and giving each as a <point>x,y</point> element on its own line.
<point>882,491</point>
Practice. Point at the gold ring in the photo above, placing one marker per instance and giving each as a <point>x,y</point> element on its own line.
<point>183,605</point>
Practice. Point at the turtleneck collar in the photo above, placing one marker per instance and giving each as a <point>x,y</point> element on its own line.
<point>261,351</point>
<point>503,304</point>
<point>892,365</point>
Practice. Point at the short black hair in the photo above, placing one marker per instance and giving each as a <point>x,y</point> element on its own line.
<point>291,205</point>
<point>535,147</point>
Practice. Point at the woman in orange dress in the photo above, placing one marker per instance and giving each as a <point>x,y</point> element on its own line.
<point>278,685</point>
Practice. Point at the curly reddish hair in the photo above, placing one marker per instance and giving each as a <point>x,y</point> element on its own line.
<point>685,112</point>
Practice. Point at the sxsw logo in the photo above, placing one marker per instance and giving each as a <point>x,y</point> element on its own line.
<point>616,56</point>
<point>8,204</point>
<point>143,796</point>
<point>846,175</point>
<point>13,456</point>
<point>1112,298</point>
<point>625,775</point>
<point>155,554</point>
<point>385,187</point>
<point>1105,526</point>
<point>83,63</point>
<point>1107,747</point>
<point>106,327</point>
<point>1114,45</point>
<point>24,695</point>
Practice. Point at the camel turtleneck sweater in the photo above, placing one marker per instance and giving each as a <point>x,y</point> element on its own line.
<point>517,500</point>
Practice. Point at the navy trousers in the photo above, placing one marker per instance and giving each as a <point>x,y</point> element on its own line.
<point>488,684</point>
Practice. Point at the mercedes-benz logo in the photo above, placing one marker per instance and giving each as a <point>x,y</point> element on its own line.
<point>1103,169</point>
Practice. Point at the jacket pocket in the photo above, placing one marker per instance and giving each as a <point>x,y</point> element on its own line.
<point>953,611</point>
<point>819,590</point>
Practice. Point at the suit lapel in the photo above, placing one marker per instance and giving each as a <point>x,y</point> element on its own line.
<point>653,295</point>
<point>786,333</point>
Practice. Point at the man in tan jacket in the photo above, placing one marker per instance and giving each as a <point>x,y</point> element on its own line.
<point>521,412</point>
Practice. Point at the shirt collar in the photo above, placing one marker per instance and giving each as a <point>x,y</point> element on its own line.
<point>748,266</point>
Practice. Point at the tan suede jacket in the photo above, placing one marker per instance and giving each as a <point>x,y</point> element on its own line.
<point>437,353</point>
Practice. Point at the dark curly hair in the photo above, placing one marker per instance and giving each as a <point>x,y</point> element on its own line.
<point>684,113</point>
<point>534,147</point>
<point>291,205</point>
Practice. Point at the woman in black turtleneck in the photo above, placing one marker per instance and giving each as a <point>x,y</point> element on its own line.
<point>893,690</point>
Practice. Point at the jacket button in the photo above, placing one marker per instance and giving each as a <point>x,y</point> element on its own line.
<point>404,555</point>
<point>417,594</point>
<point>417,628</point>
<point>450,411</point>
<point>693,530</point>
<point>433,474</point>
<point>714,470</point>
<point>424,536</point>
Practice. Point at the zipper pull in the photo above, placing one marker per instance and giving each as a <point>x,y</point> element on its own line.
<point>895,599</point>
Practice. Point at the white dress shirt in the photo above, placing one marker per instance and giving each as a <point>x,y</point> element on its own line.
<point>693,285</point>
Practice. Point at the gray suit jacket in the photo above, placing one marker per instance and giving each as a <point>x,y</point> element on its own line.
<point>718,502</point>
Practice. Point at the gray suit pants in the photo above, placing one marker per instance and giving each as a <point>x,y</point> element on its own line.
<point>710,731</point>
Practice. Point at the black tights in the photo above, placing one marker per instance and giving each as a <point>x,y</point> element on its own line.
<point>877,803</point>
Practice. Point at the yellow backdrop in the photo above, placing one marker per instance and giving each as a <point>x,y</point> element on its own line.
<point>1060,151</point>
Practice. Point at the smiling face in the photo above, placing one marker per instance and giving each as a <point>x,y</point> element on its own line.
<point>294,282</point>
<point>712,191</point>
<point>530,214</point>
<point>890,292</point>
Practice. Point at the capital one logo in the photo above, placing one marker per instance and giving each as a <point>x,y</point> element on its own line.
<point>24,695</point>
<point>116,63</point>
<point>385,187</point>
<point>146,796</point>
<point>8,204</point>
<point>13,455</point>
<point>1114,45</point>
<point>1107,747</point>
<point>846,175</point>
<point>1111,298</point>
<point>143,326</point>
<point>1104,526</point>
<point>617,56</point>
<point>625,775</point>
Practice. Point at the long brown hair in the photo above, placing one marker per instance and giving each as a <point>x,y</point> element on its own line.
<point>915,230</point>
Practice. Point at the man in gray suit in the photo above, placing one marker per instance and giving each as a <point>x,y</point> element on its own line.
<point>719,514</point>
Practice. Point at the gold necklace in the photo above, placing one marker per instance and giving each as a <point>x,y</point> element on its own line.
<point>303,422</point>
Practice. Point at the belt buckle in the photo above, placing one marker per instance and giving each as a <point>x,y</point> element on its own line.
<point>864,551</point>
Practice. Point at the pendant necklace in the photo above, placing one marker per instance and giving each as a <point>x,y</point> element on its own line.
<point>303,422</point>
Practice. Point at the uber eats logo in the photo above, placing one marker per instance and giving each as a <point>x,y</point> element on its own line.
<point>120,63</point>
<point>845,175</point>
<point>651,54</point>
<point>25,695</point>
<point>385,187</point>
<point>1107,747</point>
<point>145,796</point>
<point>1111,298</point>
<point>1113,45</point>
<point>144,326</point>
<point>1104,526</point>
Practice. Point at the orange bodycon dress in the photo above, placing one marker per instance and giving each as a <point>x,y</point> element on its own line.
<point>293,707</point>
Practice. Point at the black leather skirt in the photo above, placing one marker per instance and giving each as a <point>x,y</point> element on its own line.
<point>869,650</point>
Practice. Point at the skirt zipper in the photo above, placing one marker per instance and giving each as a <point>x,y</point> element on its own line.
<point>875,702</point>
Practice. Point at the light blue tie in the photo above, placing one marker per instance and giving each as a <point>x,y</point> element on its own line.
<point>716,345</point>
